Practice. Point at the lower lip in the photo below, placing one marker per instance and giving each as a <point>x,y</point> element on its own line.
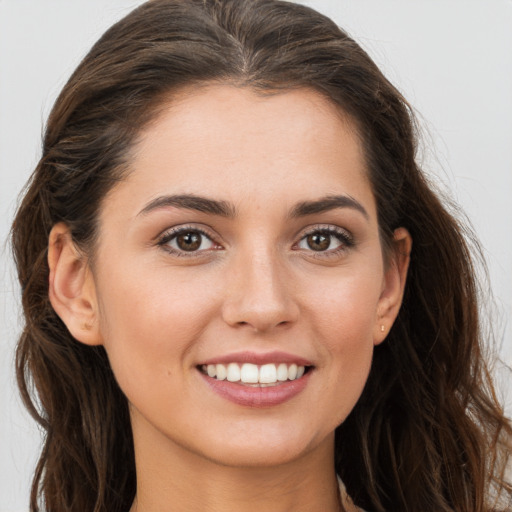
<point>250,396</point>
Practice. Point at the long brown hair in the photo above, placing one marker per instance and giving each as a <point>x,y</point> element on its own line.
<point>428,433</point>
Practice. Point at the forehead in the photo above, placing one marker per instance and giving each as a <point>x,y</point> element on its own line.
<point>206,113</point>
<point>236,144</point>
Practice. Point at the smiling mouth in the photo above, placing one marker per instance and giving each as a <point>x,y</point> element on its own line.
<point>249,374</point>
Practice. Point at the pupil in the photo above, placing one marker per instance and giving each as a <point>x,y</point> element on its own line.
<point>189,241</point>
<point>318,242</point>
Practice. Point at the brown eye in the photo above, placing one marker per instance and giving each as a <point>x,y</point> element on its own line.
<point>190,241</point>
<point>318,241</point>
<point>329,240</point>
<point>187,240</point>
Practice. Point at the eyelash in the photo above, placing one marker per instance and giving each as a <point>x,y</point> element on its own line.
<point>172,234</point>
<point>343,236</point>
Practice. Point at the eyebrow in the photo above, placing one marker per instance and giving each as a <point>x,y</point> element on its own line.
<point>191,202</point>
<point>226,209</point>
<point>326,204</point>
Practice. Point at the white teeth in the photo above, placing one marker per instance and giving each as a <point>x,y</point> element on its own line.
<point>268,374</point>
<point>249,373</point>
<point>265,375</point>
<point>222,373</point>
<point>233,373</point>
<point>282,372</point>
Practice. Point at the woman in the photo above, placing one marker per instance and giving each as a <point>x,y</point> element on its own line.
<point>238,285</point>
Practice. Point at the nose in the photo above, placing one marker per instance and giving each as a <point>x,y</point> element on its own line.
<point>259,293</point>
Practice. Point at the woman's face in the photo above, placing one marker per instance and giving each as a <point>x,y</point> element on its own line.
<point>243,245</point>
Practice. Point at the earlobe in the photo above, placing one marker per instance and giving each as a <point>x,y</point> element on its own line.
<point>393,285</point>
<point>71,287</point>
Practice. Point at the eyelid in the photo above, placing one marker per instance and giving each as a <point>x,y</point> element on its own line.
<point>342,234</point>
<point>325,228</point>
<point>169,234</point>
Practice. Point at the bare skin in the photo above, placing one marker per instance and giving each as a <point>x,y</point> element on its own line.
<point>274,489</point>
<point>282,255</point>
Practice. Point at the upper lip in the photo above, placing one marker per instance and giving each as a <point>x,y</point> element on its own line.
<point>258,358</point>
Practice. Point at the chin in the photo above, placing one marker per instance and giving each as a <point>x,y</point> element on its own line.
<point>263,450</point>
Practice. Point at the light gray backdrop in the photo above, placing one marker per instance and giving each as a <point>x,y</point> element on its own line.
<point>452,59</point>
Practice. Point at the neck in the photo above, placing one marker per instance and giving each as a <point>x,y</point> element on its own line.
<point>171,477</point>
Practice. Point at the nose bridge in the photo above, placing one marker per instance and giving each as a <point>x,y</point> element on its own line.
<point>260,293</point>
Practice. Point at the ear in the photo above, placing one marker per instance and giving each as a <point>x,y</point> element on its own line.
<point>71,287</point>
<point>393,285</point>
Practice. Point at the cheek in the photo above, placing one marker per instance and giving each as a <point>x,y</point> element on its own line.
<point>343,317</point>
<point>149,320</point>
<point>345,306</point>
<point>348,333</point>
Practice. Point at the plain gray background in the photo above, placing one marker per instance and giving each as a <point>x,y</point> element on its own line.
<point>452,59</point>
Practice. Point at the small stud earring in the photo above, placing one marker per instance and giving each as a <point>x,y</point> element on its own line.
<point>382,328</point>
<point>86,326</point>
